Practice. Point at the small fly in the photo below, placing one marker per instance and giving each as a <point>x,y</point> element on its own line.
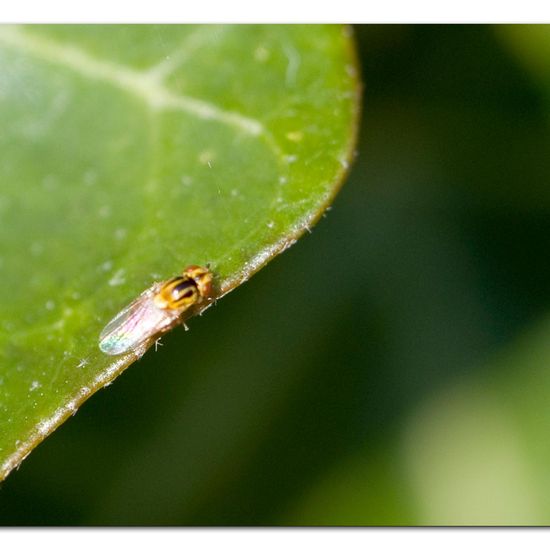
<point>155,311</point>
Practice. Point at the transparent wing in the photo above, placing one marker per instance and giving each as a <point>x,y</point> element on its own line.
<point>135,324</point>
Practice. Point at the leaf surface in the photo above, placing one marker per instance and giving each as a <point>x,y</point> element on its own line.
<point>130,152</point>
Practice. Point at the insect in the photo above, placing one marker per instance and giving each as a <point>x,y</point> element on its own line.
<point>155,311</point>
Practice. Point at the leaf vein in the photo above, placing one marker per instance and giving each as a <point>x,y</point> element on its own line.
<point>141,84</point>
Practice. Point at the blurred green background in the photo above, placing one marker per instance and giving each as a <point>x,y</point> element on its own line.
<point>393,367</point>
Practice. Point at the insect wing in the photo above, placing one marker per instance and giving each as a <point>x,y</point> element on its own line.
<point>135,324</point>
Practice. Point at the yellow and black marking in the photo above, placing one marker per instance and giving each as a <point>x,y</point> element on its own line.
<point>186,290</point>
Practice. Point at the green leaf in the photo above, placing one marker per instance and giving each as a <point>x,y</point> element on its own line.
<point>130,152</point>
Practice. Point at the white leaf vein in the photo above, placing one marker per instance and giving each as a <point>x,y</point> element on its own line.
<point>144,85</point>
